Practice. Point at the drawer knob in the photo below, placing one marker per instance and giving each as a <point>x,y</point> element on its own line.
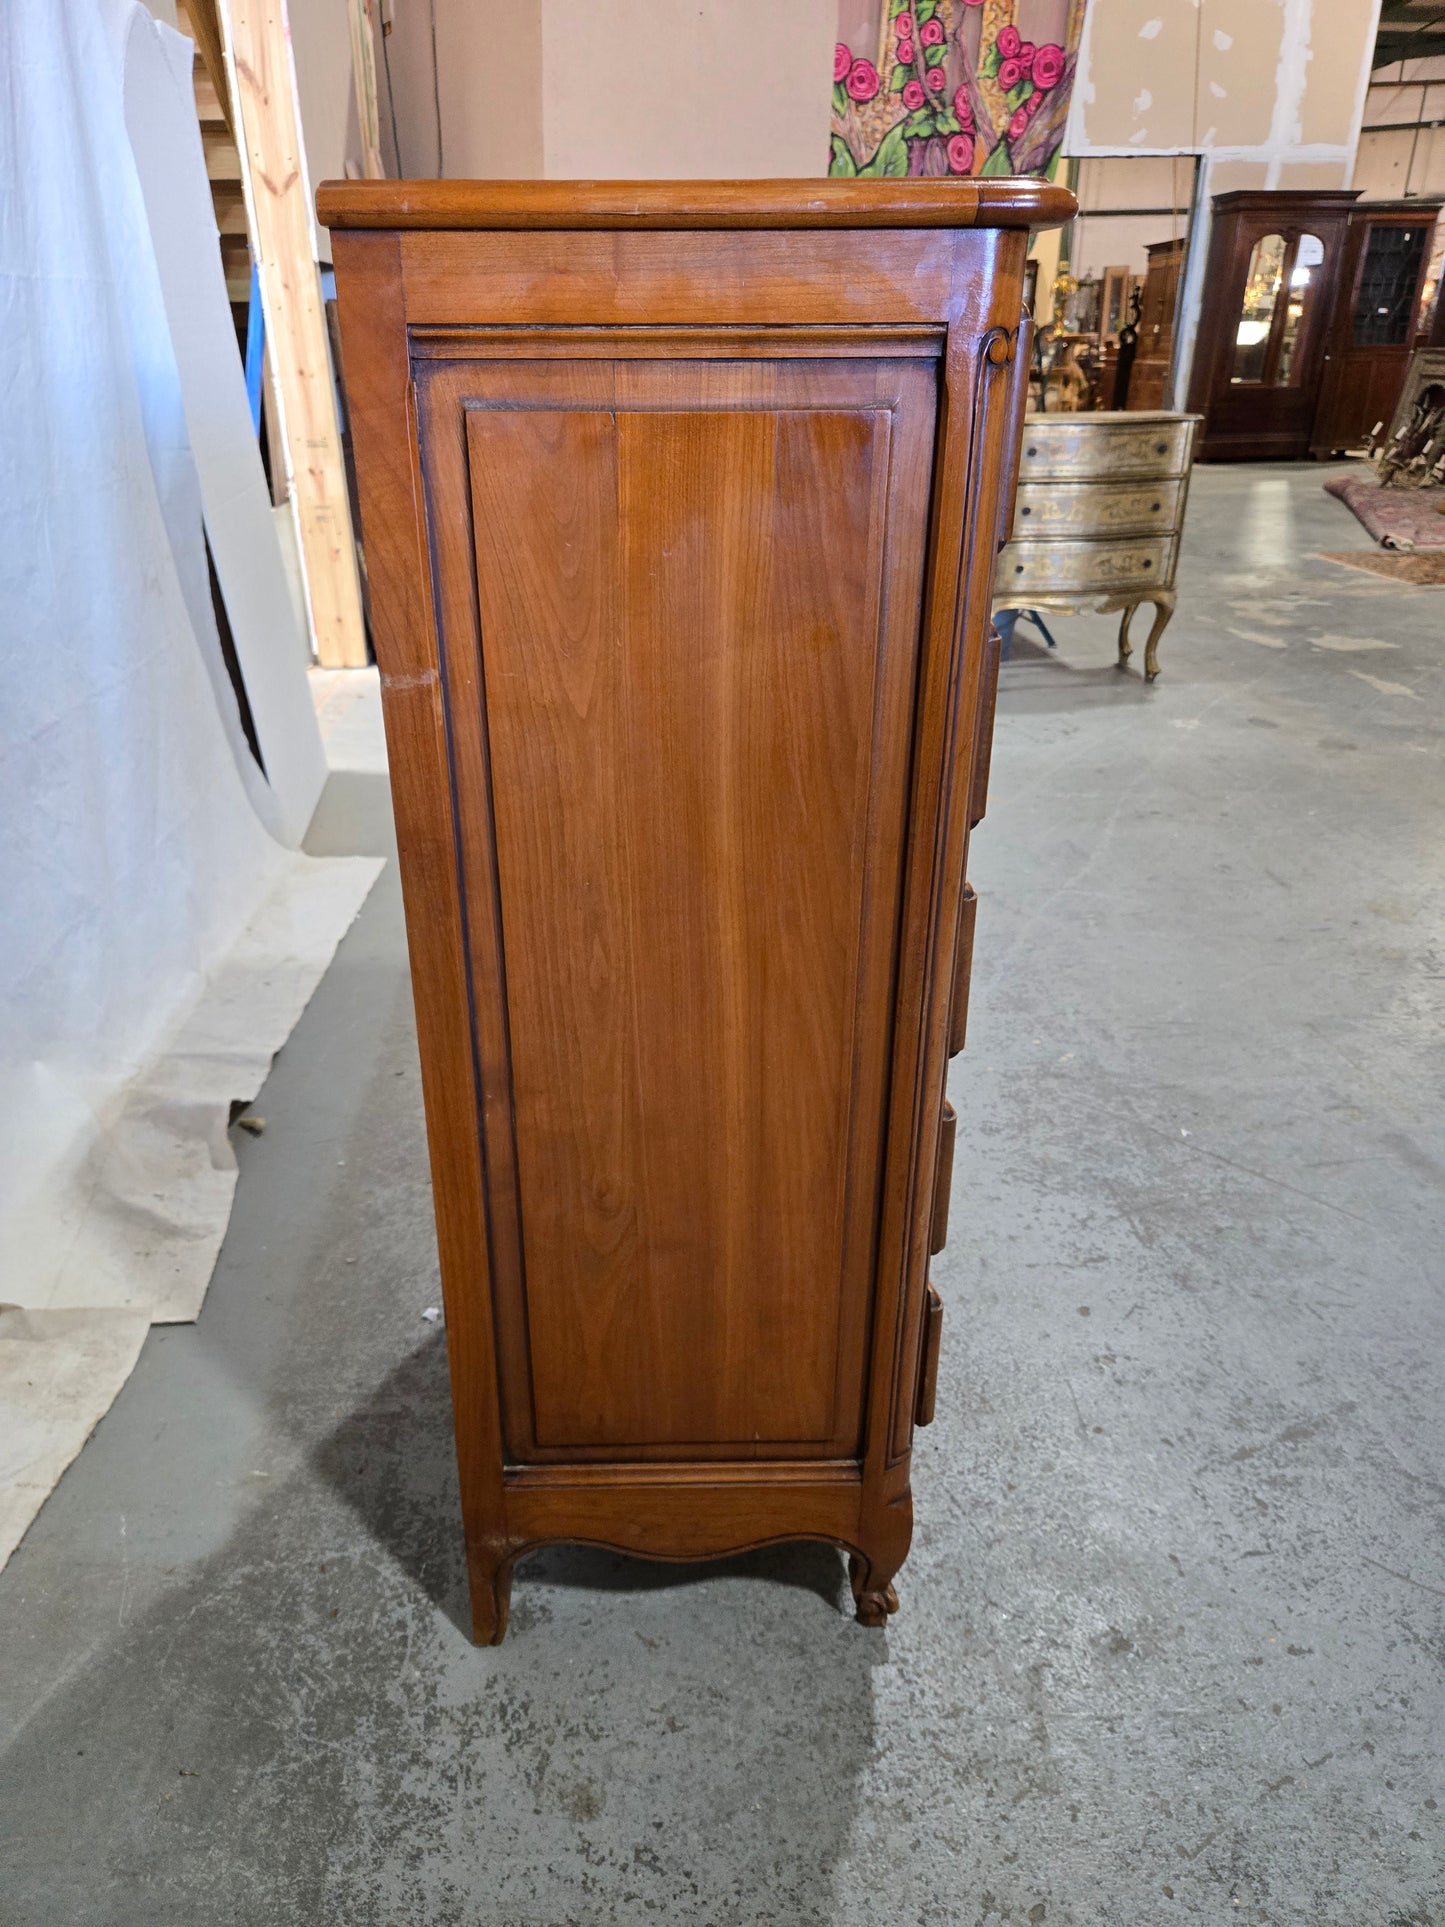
<point>1147,563</point>
<point>1161,448</point>
<point>1154,508</point>
<point>1026,510</point>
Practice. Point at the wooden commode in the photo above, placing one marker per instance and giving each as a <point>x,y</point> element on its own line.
<point>681,504</point>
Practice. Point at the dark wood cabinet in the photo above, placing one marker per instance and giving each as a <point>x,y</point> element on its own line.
<point>1269,293</point>
<point>1377,308</point>
<point>1150,388</point>
<point>681,505</point>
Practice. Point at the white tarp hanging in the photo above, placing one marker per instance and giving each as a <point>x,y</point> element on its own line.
<point>156,943</point>
<point>270,640</point>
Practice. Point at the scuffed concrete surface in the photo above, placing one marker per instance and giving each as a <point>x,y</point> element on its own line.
<point>1173,1629</point>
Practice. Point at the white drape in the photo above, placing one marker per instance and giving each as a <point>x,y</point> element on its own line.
<point>156,943</point>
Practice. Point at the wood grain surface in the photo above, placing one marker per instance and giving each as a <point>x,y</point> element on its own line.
<point>682,545</point>
<point>1021,202</point>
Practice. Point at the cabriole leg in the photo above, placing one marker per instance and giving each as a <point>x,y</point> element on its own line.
<point>872,1583</point>
<point>1163,609</point>
<point>491,1588</point>
<point>1125,647</point>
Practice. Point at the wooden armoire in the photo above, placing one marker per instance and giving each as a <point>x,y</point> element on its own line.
<point>680,506</point>
<point>1264,321</point>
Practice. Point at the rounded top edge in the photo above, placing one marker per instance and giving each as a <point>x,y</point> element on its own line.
<point>1020,201</point>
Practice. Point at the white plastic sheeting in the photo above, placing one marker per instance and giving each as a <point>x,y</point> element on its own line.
<point>266,626</point>
<point>156,942</point>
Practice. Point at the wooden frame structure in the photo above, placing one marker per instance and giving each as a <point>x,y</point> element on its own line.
<point>266,117</point>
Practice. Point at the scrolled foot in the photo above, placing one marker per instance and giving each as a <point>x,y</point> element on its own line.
<point>873,1594</point>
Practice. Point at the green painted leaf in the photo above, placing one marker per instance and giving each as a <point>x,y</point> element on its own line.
<point>840,98</point>
<point>946,122</point>
<point>891,160</point>
<point>1016,96</point>
<point>935,56</point>
<point>988,66</point>
<point>899,81</point>
<point>918,126</point>
<point>842,161</point>
<point>925,10</point>
<point>998,162</point>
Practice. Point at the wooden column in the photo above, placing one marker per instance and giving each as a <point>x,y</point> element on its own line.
<point>278,201</point>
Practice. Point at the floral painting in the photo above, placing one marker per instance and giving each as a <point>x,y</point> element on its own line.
<point>952,86</point>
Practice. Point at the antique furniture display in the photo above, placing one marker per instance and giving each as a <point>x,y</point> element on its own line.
<point>681,504</point>
<point>1066,348</point>
<point>1411,452</point>
<point>1149,378</point>
<point>1386,257</point>
<point>1269,293</point>
<point>1097,521</point>
<point>1115,289</point>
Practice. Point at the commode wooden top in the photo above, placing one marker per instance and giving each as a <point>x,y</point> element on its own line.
<point>1017,203</point>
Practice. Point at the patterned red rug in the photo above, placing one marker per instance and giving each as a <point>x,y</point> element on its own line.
<point>1400,518</point>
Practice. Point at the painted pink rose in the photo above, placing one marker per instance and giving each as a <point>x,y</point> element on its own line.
<point>1009,74</point>
<point>862,81</point>
<point>903,26</point>
<point>913,96</point>
<point>842,61</point>
<point>1009,42</point>
<point>905,52</point>
<point>1034,102</point>
<point>963,107</point>
<point>1018,126</point>
<point>1025,55</point>
<point>960,154</point>
<point>1048,67</point>
<point>931,33</point>
<point>937,79</point>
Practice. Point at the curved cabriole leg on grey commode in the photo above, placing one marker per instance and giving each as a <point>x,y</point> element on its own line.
<point>1125,647</point>
<point>1163,603</point>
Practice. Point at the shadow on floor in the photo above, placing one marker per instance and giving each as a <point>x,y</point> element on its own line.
<point>1034,677</point>
<point>392,1461</point>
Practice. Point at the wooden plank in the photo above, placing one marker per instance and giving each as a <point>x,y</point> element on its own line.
<point>273,161</point>
<point>200,19</point>
<point>359,17</point>
<point>223,163</point>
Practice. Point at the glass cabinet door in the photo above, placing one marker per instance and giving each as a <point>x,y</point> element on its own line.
<point>1256,314</point>
<point>1385,303</point>
<point>1274,314</point>
<point>1309,256</point>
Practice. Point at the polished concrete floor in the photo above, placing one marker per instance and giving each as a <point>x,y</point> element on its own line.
<point>1172,1639</point>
